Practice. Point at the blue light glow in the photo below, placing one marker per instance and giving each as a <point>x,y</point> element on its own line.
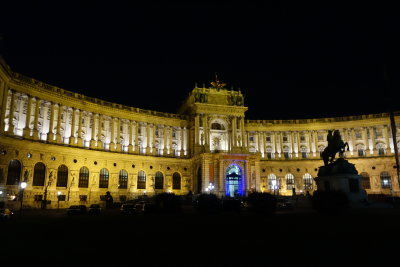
<point>234,181</point>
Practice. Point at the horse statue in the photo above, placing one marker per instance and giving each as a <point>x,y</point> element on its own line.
<point>335,145</point>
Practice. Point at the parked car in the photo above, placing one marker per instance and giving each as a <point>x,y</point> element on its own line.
<point>76,210</point>
<point>6,214</point>
<point>141,206</point>
<point>94,209</point>
<point>128,209</point>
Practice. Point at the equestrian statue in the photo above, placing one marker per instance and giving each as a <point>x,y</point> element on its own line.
<point>335,145</point>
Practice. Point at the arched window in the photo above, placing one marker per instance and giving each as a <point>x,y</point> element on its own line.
<point>272,182</point>
<point>159,181</point>
<point>365,181</point>
<point>176,181</point>
<point>103,181</point>
<point>381,147</point>
<point>289,181</point>
<point>141,180</point>
<point>39,174</point>
<point>360,150</point>
<point>386,181</point>
<point>62,176</point>
<point>123,179</point>
<point>217,126</point>
<point>307,179</point>
<point>14,172</point>
<point>286,153</point>
<point>83,178</point>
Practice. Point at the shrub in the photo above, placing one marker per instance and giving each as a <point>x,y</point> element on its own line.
<point>261,203</point>
<point>329,201</point>
<point>167,202</point>
<point>208,203</point>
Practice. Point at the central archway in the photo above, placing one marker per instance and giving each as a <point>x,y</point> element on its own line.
<point>234,181</point>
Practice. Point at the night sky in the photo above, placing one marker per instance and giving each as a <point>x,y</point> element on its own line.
<point>290,61</point>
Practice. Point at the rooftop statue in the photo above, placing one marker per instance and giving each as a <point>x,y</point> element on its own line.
<point>217,84</point>
<point>335,145</point>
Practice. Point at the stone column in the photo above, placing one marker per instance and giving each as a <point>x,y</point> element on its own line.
<point>58,134</point>
<point>148,139</point>
<point>27,131</point>
<point>386,135</point>
<point>137,125</point>
<point>3,99</point>
<point>35,133</point>
<point>296,143</point>
<point>242,132</point>
<point>196,130</point>
<point>310,142</point>
<point>182,152</point>
<point>165,150</point>
<point>315,143</point>
<point>265,144</point>
<point>234,132</point>
<point>50,135</point>
<point>153,145</point>
<point>93,133</point>
<point>276,146</point>
<point>365,133</point>
<point>353,141</point>
<point>118,139</point>
<point>130,146</point>
<point>171,150</point>
<point>259,142</point>
<point>372,140</point>
<point>11,114</point>
<point>72,140</point>
<point>99,129</point>
<point>80,141</point>
<point>112,141</point>
<point>206,133</point>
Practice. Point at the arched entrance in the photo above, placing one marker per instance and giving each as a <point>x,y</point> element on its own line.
<point>234,181</point>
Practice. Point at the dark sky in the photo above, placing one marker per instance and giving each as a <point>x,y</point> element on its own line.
<point>290,61</point>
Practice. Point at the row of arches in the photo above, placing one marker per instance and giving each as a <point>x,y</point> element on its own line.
<point>39,176</point>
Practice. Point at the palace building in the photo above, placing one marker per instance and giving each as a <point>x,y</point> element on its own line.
<point>72,149</point>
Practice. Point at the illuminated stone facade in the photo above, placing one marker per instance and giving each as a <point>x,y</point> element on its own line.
<point>65,143</point>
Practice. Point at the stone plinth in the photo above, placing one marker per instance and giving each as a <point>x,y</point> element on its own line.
<point>341,176</point>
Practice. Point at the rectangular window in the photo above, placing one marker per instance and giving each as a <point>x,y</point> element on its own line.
<point>358,134</point>
<point>251,138</point>
<point>302,138</point>
<point>320,137</point>
<point>268,139</point>
<point>378,133</point>
<point>304,155</point>
<point>269,155</point>
<point>38,197</point>
<point>61,198</point>
<point>82,197</point>
<point>285,139</point>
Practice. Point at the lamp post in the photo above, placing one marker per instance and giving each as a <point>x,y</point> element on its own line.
<point>58,200</point>
<point>210,187</point>
<point>23,186</point>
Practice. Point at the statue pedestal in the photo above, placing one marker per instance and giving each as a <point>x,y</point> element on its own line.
<point>342,176</point>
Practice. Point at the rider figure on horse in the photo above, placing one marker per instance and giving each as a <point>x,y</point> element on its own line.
<point>335,145</point>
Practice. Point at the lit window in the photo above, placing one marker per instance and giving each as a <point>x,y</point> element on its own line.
<point>307,179</point>
<point>385,180</point>
<point>289,181</point>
